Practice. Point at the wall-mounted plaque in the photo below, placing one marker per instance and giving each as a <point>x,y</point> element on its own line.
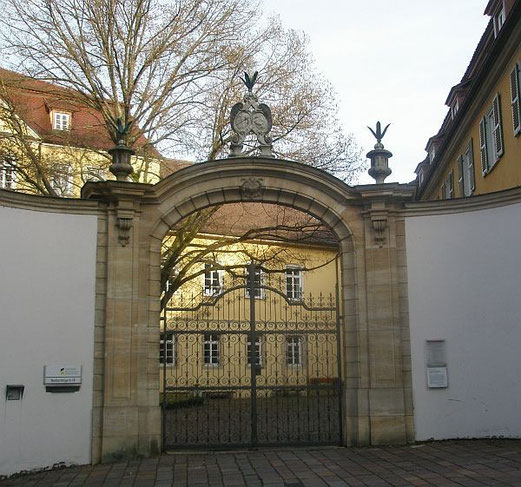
<point>59,375</point>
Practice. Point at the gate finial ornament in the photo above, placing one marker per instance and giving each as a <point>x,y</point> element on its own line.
<point>379,135</point>
<point>250,82</point>
<point>250,117</point>
<point>379,156</point>
<point>121,154</point>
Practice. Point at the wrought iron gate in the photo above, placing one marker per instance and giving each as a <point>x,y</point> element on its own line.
<point>251,372</point>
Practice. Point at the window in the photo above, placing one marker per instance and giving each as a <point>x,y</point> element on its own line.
<point>167,349</point>
<point>93,173</point>
<point>491,136</point>
<point>61,121</point>
<point>61,179</point>
<point>171,278</point>
<point>515,88</point>
<point>213,281</point>
<point>447,188</point>
<point>211,349</point>
<point>466,171</point>
<point>432,154</point>
<point>499,19</point>
<point>293,283</point>
<point>257,352</point>
<point>294,350</point>
<point>454,109</point>
<point>258,281</point>
<point>8,173</point>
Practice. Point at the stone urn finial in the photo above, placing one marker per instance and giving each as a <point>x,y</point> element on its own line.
<point>121,153</point>
<point>250,117</point>
<point>379,156</point>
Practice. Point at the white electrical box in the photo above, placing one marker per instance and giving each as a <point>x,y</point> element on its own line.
<point>437,377</point>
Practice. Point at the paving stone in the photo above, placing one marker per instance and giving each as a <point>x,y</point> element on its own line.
<point>442,464</point>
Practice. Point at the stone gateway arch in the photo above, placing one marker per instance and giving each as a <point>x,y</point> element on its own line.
<point>134,218</point>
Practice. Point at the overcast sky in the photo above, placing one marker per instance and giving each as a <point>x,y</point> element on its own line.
<point>393,61</point>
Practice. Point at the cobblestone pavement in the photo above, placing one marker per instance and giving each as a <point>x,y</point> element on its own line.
<point>450,463</point>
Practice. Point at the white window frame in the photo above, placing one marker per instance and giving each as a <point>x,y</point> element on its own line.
<point>432,154</point>
<point>294,280</point>
<point>167,348</point>
<point>447,188</point>
<point>450,185</point>
<point>489,141</point>
<point>258,351</point>
<point>62,180</point>
<point>466,179</point>
<point>294,350</point>
<point>61,120</point>
<point>499,19</point>
<point>211,344</point>
<point>8,172</point>
<point>212,281</point>
<point>491,136</point>
<point>515,98</point>
<point>173,275</point>
<point>454,109</point>
<point>260,292</point>
<point>93,173</point>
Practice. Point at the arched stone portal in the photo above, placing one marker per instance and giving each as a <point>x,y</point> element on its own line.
<point>376,354</point>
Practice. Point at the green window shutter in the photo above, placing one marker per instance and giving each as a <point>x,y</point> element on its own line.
<point>472,180</point>
<point>497,131</point>
<point>461,176</point>
<point>451,184</point>
<point>514,96</point>
<point>483,146</point>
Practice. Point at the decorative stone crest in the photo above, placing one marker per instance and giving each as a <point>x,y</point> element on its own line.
<point>252,188</point>
<point>250,117</point>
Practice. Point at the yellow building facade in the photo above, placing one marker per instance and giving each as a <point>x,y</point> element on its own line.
<point>478,147</point>
<point>207,322</point>
<point>51,143</point>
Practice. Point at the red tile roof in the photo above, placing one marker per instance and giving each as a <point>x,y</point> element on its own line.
<point>35,99</point>
<point>287,223</point>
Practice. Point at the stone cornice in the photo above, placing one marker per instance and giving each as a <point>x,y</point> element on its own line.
<point>114,190</point>
<point>395,191</point>
<point>23,201</point>
<point>258,167</point>
<point>461,205</point>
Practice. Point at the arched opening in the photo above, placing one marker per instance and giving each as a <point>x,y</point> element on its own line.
<point>250,337</point>
<point>312,396</point>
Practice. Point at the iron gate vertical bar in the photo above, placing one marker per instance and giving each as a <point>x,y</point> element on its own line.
<point>339,360</point>
<point>253,365</point>
<point>163,406</point>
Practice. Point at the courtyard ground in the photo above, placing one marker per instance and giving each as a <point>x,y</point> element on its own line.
<point>448,463</point>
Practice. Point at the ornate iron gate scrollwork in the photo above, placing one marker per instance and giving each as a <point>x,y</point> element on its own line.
<point>251,372</point>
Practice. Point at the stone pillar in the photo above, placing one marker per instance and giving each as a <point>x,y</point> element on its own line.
<point>386,401</point>
<point>130,417</point>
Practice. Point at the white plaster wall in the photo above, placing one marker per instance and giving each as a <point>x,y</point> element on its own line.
<point>47,287</point>
<point>464,274</point>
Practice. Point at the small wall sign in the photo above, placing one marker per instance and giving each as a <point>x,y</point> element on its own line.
<point>437,377</point>
<point>59,375</point>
